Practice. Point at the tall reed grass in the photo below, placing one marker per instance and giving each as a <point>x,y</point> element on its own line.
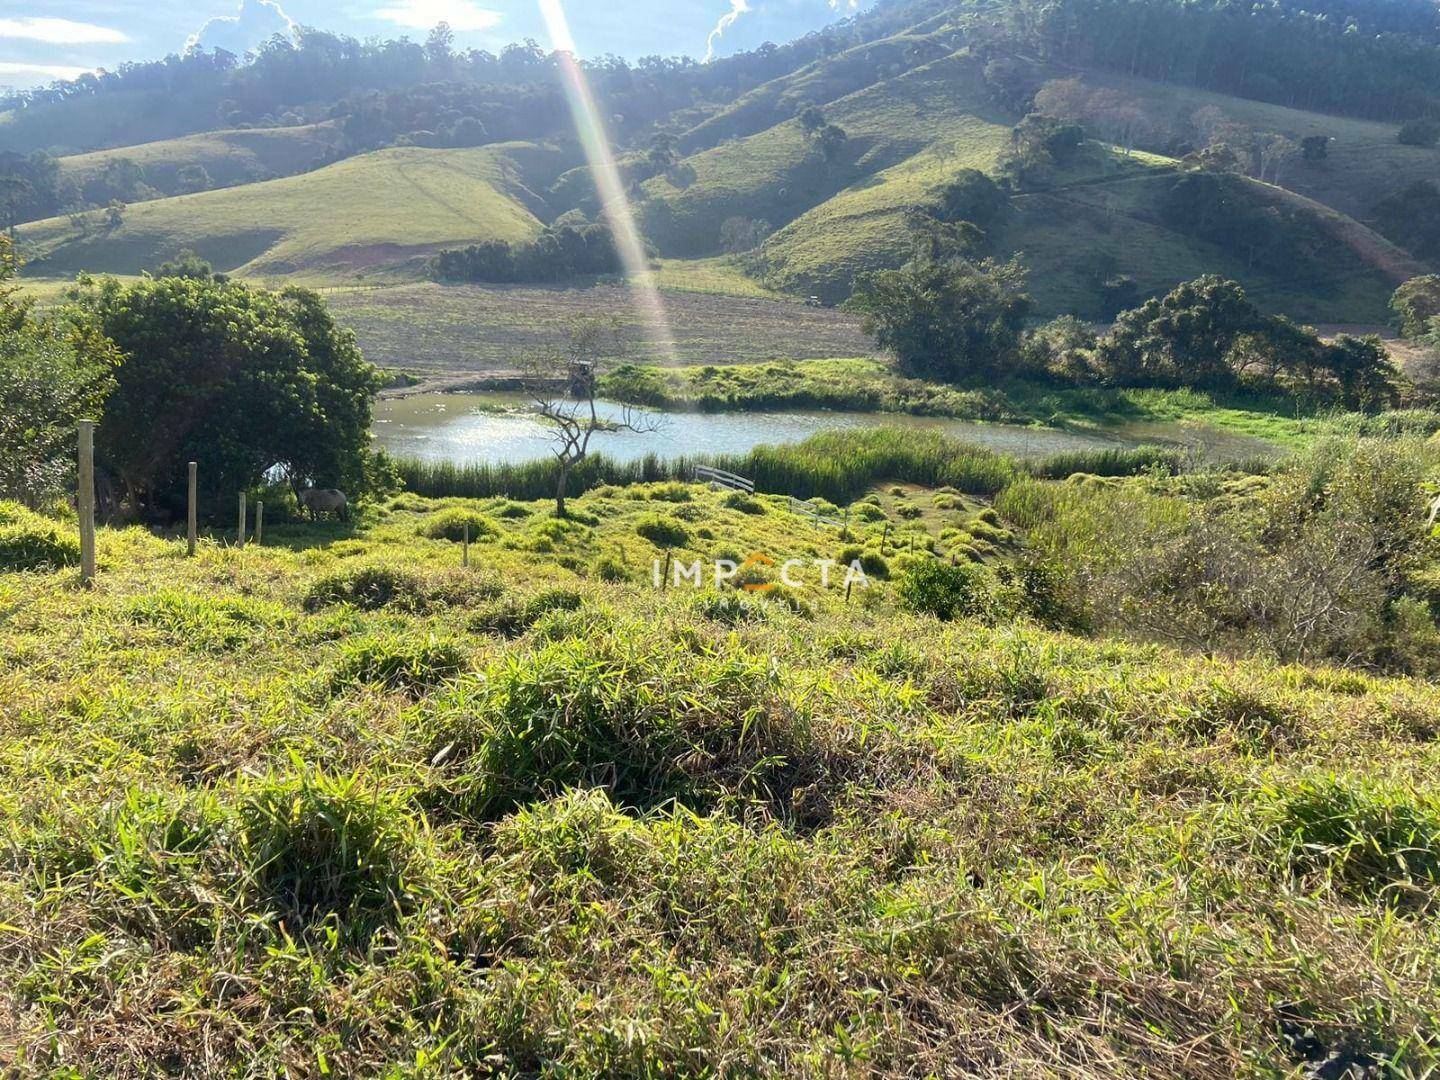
<point>835,465</point>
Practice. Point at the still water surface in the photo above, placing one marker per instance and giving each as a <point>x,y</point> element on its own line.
<point>498,428</point>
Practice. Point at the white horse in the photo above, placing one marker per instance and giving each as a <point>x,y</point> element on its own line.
<point>325,501</point>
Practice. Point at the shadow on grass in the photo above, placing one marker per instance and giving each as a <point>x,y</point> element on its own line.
<point>287,536</point>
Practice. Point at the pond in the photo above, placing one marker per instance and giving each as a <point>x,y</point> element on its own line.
<point>497,428</point>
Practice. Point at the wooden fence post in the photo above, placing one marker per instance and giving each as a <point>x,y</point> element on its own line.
<point>465,548</point>
<point>259,521</point>
<point>85,501</point>
<point>192,518</point>
<point>240,542</point>
<point>884,537</point>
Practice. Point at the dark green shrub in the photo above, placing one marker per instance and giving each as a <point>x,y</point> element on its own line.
<point>663,531</point>
<point>931,587</point>
<point>1422,132</point>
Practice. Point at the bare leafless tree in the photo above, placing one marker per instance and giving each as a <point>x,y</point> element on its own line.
<point>563,387</point>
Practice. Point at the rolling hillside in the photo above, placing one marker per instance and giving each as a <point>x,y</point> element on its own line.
<point>917,102</point>
<point>1364,160</point>
<point>125,118</point>
<point>376,209</point>
<point>1089,225</point>
<point>229,157</point>
<point>778,174</point>
<point>825,80</point>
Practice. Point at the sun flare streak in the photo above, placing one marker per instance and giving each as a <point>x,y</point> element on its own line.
<point>618,212</point>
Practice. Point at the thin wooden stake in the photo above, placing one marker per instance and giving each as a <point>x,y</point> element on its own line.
<point>85,501</point>
<point>241,535</point>
<point>665,581</point>
<point>192,519</point>
<point>259,520</point>
<point>848,586</point>
<point>884,537</point>
<point>465,550</point>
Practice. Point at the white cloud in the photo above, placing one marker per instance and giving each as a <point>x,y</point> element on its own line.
<point>36,73</point>
<point>737,8</point>
<point>60,32</point>
<point>255,23</point>
<point>462,15</point>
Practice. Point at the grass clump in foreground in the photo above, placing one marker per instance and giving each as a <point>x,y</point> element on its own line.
<point>29,541</point>
<point>531,820</point>
<point>457,524</point>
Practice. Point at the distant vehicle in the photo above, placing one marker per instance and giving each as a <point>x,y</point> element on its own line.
<point>814,301</point>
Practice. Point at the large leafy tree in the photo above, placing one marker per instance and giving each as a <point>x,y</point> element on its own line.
<point>237,378</point>
<point>947,320</point>
<point>1182,339</point>
<point>52,374</point>
<point>1206,333</point>
<point>1416,305</point>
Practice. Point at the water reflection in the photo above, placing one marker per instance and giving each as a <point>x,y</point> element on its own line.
<point>497,428</point>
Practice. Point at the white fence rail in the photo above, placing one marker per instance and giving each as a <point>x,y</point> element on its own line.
<point>704,473</point>
<point>805,510</point>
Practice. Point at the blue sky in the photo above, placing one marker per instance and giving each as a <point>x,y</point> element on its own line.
<point>41,40</point>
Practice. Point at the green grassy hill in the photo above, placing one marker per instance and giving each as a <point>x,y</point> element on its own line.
<point>910,133</point>
<point>1096,221</point>
<point>375,210</point>
<point>819,83</point>
<point>776,175</point>
<point>1364,161</point>
<point>230,157</point>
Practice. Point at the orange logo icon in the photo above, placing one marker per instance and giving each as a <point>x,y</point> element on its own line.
<point>757,559</point>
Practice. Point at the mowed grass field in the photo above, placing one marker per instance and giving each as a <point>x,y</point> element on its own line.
<point>333,805</point>
<point>229,157</point>
<point>374,210</point>
<point>464,329</point>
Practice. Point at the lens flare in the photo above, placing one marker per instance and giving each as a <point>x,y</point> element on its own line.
<point>601,156</point>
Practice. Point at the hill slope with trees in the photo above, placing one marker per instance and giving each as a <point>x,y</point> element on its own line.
<point>802,160</point>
